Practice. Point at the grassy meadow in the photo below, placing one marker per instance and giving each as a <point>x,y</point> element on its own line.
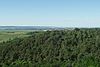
<point>5,35</point>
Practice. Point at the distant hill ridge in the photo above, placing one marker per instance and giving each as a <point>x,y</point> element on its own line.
<point>29,28</point>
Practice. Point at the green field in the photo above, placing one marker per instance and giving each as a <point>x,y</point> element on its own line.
<point>5,35</point>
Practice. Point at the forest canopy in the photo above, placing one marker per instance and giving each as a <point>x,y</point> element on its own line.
<point>79,47</point>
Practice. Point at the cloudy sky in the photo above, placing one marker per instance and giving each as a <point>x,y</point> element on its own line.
<point>62,13</point>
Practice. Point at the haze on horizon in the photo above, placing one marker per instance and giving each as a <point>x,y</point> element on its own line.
<point>62,13</point>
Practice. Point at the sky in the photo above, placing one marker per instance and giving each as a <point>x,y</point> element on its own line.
<point>61,13</point>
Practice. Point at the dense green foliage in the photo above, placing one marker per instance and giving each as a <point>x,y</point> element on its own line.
<point>65,48</point>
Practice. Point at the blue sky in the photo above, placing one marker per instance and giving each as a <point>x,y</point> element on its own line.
<point>62,13</point>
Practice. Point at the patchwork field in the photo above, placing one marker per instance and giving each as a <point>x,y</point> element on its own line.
<point>5,35</point>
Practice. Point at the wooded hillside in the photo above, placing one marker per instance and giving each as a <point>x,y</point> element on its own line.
<point>64,48</point>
